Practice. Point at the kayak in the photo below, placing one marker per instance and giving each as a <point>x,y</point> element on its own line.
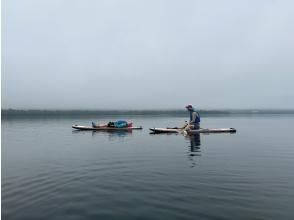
<point>165,130</point>
<point>201,130</point>
<point>212,130</point>
<point>88,128</point>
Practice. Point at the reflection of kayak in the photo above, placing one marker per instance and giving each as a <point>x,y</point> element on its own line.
<point>88,128</point>
<point>201,130</point>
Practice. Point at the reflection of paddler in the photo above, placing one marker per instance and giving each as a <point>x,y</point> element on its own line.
<point>195,142</point>
<point>194,148</point>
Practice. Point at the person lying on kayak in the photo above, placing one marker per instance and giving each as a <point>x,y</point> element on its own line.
<point>118,124</point>
<point>194,122</point>
<point>115,124</point>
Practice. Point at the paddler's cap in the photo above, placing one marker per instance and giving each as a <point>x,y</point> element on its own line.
<point>189,106</point>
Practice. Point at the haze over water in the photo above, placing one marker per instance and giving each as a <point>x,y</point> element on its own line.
<point>50,171</point>
<point>84,54</point>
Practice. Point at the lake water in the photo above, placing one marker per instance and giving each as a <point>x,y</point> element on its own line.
<point>50,171</point>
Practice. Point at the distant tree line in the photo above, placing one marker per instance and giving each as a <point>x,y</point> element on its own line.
<point>6,113</point>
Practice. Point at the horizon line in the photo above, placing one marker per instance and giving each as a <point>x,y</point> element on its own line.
<point>147,110</point>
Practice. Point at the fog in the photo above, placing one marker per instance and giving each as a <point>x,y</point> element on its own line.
<point>87,54</point>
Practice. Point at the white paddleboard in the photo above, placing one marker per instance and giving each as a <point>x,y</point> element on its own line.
<point>201,130</point>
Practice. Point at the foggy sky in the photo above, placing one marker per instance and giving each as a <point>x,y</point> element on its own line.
<point>94,54</point>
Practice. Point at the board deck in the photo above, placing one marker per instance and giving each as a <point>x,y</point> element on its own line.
<point>201,130</point>
<point>213,130</point>
<point>88,128</point>
<point>165,130</point>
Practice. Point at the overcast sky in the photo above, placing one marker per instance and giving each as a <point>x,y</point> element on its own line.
<point>94,54</point>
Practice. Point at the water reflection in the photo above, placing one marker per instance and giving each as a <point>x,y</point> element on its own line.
<point>115,135</point>
<point>112,135</point>
<point>194,148</point>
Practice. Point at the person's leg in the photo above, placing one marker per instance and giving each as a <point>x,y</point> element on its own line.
<point>197,126</point>
<point>188,127</point>
<point>186,124</point>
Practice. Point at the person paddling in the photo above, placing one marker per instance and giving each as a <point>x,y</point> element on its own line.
<point>194,122</point>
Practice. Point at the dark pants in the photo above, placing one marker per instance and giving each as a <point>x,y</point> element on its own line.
<point>196,126</point>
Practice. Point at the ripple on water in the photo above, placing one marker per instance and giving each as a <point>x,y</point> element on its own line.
<point>52,173</point>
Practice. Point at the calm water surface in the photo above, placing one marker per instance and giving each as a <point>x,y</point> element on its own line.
<point>52,172</point>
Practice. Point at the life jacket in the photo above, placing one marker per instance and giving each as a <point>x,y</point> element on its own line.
<point>197,120</point>
<point>121,124</point>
